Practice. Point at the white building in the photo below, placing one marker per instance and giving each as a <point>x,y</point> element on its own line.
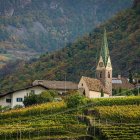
<point>14,98</point>
<point>92,88</point>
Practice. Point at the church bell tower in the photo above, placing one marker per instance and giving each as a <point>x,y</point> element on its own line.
<point>104,67</point>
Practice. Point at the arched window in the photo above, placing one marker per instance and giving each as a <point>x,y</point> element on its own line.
<point>100,74</point>
<point>108,75</point>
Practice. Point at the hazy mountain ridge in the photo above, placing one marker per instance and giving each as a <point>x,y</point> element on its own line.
<point>79,58</point>
<point>39,26</point>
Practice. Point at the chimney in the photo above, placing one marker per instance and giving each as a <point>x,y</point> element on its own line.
<point>40,82</point>
<point>119,76</point>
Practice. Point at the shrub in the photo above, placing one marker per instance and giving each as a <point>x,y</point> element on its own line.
<point>44,97</point>
<point>17,106</point>
<point>102,93</point>
<point>30,100</point>
<point>75,100</point>
<point>5,108</point>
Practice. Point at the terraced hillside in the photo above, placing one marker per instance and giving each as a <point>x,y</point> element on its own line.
<point>47,121</point>
<point>116,122</point>
<point>97,119</point>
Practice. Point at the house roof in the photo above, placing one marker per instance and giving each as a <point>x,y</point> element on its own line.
<point>2,95</point>
<point>94,84</point>
<point>121,83</point>
<point>57,85</point>
<point>137,85</point>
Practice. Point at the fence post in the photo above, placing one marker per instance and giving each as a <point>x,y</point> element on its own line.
<point>17,134</point>
<point>5,136</point>
<point>106,121</point>
<point>20,130</point>
<point>94,127</point>
<point>29,135</point>
<point>38,133</point>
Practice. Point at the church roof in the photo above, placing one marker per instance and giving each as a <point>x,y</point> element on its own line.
<point>94,84</point>
<point>60,85</point>
<point>104,48</point>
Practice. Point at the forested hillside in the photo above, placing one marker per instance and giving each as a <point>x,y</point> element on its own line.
<point>31,27</point>
<point>79,58</point>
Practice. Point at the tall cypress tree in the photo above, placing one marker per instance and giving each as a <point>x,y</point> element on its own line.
<point>130,77</point>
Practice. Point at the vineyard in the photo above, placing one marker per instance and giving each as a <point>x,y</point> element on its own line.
<point>119,113</point>
<point>103,119</point>
<point>46,121</point>
<point>119,131</point>
<point>130,100</point>
<point>120,120</point>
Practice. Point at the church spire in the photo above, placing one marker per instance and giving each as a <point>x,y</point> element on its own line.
<point>104,49</point>
<point>104,67</point>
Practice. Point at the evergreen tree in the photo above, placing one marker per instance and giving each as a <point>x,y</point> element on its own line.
<point>102,93</point>
<point>130,77</point>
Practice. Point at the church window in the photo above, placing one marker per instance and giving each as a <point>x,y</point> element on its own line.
<point>84,93</point>
<point>101,64</point>
<point>100,74</point>
<point>108,75</point>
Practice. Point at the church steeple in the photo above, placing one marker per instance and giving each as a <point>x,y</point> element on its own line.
<point>104,67</point>
<point>104,49</point>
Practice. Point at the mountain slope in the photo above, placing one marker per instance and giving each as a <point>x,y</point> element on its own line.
<point>35,26</point>
<point>79,58</point>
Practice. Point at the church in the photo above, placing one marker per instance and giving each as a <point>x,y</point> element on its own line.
<point>101,86</point>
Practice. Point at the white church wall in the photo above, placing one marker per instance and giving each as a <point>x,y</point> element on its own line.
<point>83,85</point>
<point>94,94</point>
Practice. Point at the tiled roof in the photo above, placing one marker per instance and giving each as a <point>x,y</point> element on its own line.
<point>2,95</point>
<point>57,84</point>
<point>121,83</point>
<point>94,84</point>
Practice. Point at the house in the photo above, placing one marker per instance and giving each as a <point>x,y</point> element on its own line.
<point>92,88</point>
<point>137,85</point>
<point>60,86</point>
<point>16,97</point>
<point>121,83</point>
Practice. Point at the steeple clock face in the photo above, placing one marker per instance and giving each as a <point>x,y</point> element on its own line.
<point>101,64</point>
<point>109,64</point>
